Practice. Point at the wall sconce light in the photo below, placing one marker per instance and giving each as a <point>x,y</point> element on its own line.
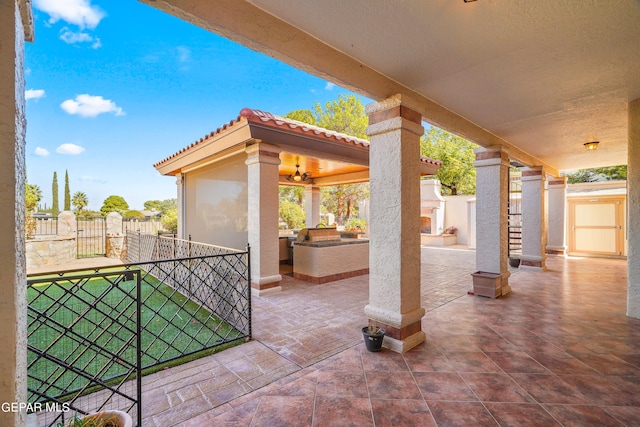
<point>592,145</point>
<point>298,177</point>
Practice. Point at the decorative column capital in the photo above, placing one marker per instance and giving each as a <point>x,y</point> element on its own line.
<point>261,152</point>
<point>535,173</point>
<point>491,156</point>
<point>558,182</point>
<point>393,113</point>
<point>179,178</point>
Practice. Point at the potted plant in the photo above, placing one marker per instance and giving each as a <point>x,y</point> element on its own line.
<point>450,230</point>
<point>354,227</point>
<point>100,419</point>
<point>373,337</point>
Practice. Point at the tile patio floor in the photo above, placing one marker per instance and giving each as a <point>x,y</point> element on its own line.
<point>558,350</point>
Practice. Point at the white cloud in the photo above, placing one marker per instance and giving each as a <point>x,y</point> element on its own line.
<point>184,53</point>
<point>33,93</point>
<point>86,105</point>
<point>72,149</point>
<point>77,12</point>
<point>92,179</point>
<point>71,37</point>
<point>41,152</point>
<point>329,86</point>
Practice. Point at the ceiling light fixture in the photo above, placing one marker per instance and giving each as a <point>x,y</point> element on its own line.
<point>298,177</point>
<point>592,145</point>
<point>469,1</point>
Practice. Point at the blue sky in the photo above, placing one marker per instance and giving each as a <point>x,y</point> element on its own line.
<point>116,86</point>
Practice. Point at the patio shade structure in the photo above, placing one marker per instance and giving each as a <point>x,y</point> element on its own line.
<point>529,81</point>
<point>228,181</point>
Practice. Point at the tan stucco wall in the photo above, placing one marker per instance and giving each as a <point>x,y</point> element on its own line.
<point>13,310</point>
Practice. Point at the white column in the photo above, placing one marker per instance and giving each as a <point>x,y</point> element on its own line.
<point>13,304</point>
<point>394,256</point>
<point>492,239</point>
<point>557,225</point>
<point>262,172</point>
<point>180,202</point>
<point>312,205</point>
<point>534,227</point>
<point>633,209</point>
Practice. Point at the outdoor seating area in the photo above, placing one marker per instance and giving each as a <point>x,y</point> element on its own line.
<point>558,349</point>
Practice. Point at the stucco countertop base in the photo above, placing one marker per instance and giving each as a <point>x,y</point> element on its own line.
<point>327,261</point>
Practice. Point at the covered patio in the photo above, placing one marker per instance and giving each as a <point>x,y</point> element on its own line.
<point>558,350</point>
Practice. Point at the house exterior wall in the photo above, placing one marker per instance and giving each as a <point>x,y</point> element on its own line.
<point>216,203</point>
<point>456,214</point>
<point>13,304</point>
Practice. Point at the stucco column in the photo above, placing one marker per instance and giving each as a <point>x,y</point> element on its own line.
<point>492,214</point>
<point>557,225</point>
<point>312,205</point>
<point>633,209</point>
<point>534,226</point>
<point>15,24</point>
<point>180,202</point>
<point>394,253</point>
<point>262,169</point>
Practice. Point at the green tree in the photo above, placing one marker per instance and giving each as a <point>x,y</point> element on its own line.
<point>67,192</point>
<point>33,196</point>
<point>345,115</point>
<point>292,193</point>
<point>611,173</point>
<point>292,214</point>
<point>305,116</point>
<point>80,200</point>
<point>114,204</point>
<point>153,205</point>
<point>55,207</point>
<point>457,173</point>
<point>170,221</point>
<point>133,214</point>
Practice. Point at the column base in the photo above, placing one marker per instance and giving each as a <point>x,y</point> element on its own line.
<point>556,250</point>
<point>266,285</point>
<point>532,262</point>
<point>402,346</point>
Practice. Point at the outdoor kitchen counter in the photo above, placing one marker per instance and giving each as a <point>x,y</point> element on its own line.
<point>326,261</point>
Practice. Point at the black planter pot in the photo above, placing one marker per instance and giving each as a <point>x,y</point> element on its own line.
<point>373,340</point>
<point>514,261</point>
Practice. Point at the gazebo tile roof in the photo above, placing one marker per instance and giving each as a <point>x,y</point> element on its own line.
<point>258,116</point>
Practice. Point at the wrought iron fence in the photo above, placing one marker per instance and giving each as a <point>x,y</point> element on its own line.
<point>91,237</point>
<point>44,225</point>
<point>147,226</point>
<point>186,305</point>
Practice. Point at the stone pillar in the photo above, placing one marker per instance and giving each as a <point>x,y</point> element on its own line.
<point>68,225</point>
<point>16,24</point>
<point>492,237</point>
<point>113,224</point>
<point>394,257</point>
<point>534,226</point>
<point>312,205</point>
<point>180,201</point>
<point>262,169</point>
<point>633,209</point>
<point>557,225</point>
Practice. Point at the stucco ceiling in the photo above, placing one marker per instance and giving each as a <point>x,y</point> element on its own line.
<point>542,77</point>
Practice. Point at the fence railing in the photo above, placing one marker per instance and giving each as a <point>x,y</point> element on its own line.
<point>147,226</point>
<point>44,226</point>
<point>185,306</point>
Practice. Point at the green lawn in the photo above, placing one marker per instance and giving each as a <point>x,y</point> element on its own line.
<point>172,326</point>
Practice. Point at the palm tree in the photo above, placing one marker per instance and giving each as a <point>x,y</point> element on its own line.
<point>79,200</point>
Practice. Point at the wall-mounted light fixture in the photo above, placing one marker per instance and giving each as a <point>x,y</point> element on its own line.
<point>592,145</point>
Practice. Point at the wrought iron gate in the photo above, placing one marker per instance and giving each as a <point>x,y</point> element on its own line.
<point>91,237</point>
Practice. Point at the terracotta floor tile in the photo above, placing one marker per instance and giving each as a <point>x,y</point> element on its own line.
<point>627,415</point>
<point>521,414</point>
<point>341,384</point>
<point>461,414</point>
<point>601,390</point>
<point>580,416</point>
<point>475,361</point>
<point>385,360</point>
<point>283,411</point>
<point>399,385</point>
<point>341,411</point>
<point>607,364</point>
<point>562,363</point>
<point>496,388</point>
<point>428,361</point>
<point>443,386</point>
<point>396,413</point>
<point>546,388</point>
<point>516,362</point>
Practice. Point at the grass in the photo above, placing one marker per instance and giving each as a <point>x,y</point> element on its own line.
<point>172,326</point>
